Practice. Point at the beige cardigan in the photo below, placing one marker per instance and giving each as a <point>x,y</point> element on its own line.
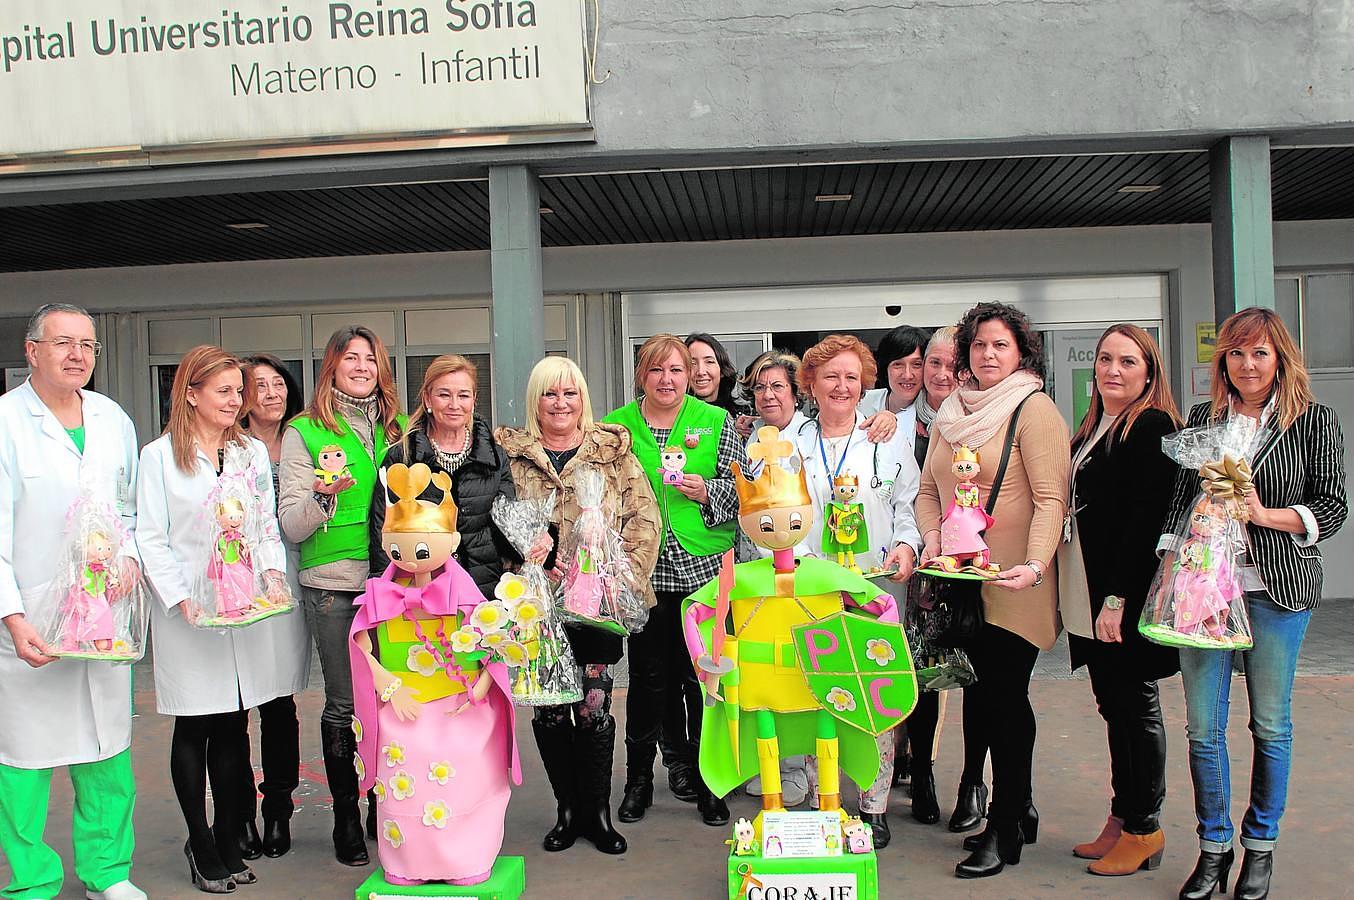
<point>1029,512</point>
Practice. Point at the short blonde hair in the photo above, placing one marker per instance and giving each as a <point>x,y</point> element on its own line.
<point>654,351</point>
<point>832,346</point>
<point>546,374</point>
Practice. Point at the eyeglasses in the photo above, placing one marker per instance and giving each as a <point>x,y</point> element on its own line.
<point>775,387</point>
<point>64,345</point>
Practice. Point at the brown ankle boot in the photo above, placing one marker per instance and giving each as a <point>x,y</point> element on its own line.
<point>1109,836</point>
<point>1131,853</point>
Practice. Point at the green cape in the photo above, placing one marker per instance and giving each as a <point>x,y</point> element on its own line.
<point>722,769</point>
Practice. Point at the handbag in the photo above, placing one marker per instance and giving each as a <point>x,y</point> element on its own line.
<point>956,605</point>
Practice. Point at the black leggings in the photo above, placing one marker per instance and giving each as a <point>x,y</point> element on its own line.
<point>209,747</point>
<point>280,747</point>
<point>664,697</point>
<point>1131,708</point>
<point>1000,699</point>
<point>592,713</point>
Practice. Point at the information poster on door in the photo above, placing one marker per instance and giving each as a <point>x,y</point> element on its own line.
<point>1071,357</point>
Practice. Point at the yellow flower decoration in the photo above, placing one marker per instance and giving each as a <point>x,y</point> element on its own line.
<point>402,785</point>
<point>528,613</point>
<point>880,650</point>
<point>513,653</point>
<point>357,729</point>
<point>421,660</point>
<point>511,589</point>
<point>464,640</point>
<point>436,813</point>
<point>380,790</point>
<point>121,646</point>
<point>841,700</point>
<point>394,754</point>
<point>440,772</point>
<point>391,832</point>
<point>490,616</point>
<point>494,640</point>
<point>359,766</point>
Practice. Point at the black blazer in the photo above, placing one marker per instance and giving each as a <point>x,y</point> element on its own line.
<point>1123,493</point>
<point>1303,465</point>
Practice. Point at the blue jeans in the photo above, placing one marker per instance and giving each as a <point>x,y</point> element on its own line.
<point>1207,674</point>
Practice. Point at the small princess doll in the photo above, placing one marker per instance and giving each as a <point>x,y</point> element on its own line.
<point>673,461</point>
<point>90,618</point>
<point>1205,581</point>
<point>962,547</point>
<point>333,464</point>
<point>231,569</point>
<point>844,533</point>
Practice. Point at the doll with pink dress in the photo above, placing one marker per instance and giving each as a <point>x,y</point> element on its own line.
<point>231,569</point>
<point>962,548</point>
<point>91,619</point>
<point>1205,578</point>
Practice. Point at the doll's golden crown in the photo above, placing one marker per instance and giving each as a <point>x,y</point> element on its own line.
<point>847,480</point>
<point>776,486</point>
<point>964,454</point>
<point>410,515</point>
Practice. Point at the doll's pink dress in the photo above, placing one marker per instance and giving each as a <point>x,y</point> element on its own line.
<point>1204,593</point>
<point>962,527</point>
<point>232,574</point>
<point>91,615</point>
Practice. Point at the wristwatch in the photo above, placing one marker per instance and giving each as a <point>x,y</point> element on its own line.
<point>1114,603</point>
<point>1038,569</point>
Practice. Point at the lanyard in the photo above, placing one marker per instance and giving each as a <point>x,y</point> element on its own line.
<point>822,451</point>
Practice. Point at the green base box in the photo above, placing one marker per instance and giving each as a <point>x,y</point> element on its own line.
<point>846,877</point>
<point>507,882</point>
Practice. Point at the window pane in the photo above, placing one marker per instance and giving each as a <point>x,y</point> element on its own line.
<point>417,366</point>
<point>1287,305</point>
<point>164,384</point>
<point>1330,321</point>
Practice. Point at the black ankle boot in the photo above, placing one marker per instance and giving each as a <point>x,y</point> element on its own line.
<point>925,807</point>
<point>251,845</point>
<point>276,837</point>
<point>350,848</point>
<point>638,798</point>
<point>712,809</point>
<point>556,743</point>
<point>1210,872</point>
<point>1252,882</point>
<point>998,847</point>
<point>879,828</point>
<point>682,782</point>
<point>593,750</point>
<point>1029,829</point>
<point>970,808</point>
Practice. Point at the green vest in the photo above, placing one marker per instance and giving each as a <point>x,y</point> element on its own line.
<point>680,513</point>
<point>345,536</point>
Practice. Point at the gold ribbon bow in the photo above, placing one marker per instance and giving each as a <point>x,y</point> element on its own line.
<point>749,880</point>
<point>1228,481</point>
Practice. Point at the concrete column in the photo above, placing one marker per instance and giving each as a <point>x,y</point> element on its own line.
<point>1243,225</point>
<point>518,340</point>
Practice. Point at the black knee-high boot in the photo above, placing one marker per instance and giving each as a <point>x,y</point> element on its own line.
<point>556,743</point>
<point>339,746</point>
<point>593,752</point>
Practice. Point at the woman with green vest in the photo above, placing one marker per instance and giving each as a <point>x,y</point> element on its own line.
<point>328,473</point>
<point>686,448</point>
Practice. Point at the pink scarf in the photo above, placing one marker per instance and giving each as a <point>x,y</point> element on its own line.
<point>971,417</point>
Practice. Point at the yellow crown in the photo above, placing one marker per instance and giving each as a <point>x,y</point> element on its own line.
<point>845,481</point>
<point>776,486</point>
<point>964,454</point>
<point>410,515</point>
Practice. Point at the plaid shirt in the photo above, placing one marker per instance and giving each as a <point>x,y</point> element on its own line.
<point>677,570</point>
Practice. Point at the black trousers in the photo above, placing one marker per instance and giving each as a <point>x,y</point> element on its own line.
<point>202,748</point>
<point>280,747</point>
<point>1000,698</point>
<point>1131,708</point>
<point>921,729</point>
<point>664,699</point>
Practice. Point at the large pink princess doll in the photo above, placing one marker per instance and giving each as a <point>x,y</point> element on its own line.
<point>433,715</point>
<point>1205,580</point>
<point>962,548</point>
<point>231,568</point>
<point>89,616</point>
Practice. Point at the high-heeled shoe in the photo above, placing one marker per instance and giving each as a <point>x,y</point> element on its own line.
<point>1252,882</point>
<point>1029,829</point>
<point>969,808</point>
<point>1131,853</point>
<point>206,885</point>
<point>240,873</point>
<point>1210,872</point>
<point>999,847</point>
<point>1104,842</point>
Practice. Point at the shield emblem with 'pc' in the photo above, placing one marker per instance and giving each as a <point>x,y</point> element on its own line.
<point>859,669</point>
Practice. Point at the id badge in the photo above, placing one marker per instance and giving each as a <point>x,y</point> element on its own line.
<point>124,491</point>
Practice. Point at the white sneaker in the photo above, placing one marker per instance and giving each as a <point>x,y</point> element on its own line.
<point>123,890</point>
<point>794,781</point>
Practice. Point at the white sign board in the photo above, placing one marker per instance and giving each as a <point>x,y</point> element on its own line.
<point>133,75</point>
<point>15,377</point>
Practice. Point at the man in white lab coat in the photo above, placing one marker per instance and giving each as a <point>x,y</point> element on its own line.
<point>54,437</point>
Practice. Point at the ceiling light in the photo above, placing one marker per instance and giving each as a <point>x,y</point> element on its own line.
<point>831,198</point>
<point>1139,189</point>
<point>246,226</point>
<point>546,211</point>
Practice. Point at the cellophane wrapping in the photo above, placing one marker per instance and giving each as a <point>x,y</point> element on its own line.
<point>600,588</point>
<point>233,590</point>
<point>98,600</point>
<point>548,676</point>
<point>1196,598</point>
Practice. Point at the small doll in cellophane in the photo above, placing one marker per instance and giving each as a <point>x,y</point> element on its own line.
<point>98,600</point>
<point>1197,599</point>
<point>599,586</point>
<point>235,588</point>
<point>548,676</point>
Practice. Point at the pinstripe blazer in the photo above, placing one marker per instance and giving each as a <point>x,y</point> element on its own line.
<point>1303,466</point>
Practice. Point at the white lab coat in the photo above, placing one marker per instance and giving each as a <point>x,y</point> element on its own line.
<point>200,671</point>
<point>890,521</point>
<point>69,711</point>
<point>877,399</point>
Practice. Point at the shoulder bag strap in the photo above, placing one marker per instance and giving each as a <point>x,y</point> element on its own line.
<point>1005,458</point>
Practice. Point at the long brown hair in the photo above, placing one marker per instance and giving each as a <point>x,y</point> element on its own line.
<point>198,366</point>
<point>445,365</point>
<point>1292,386</point>
<point>321,407</point>
<point>1156,393</point>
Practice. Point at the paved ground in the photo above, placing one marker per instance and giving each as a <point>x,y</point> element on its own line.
<point>674,856</point>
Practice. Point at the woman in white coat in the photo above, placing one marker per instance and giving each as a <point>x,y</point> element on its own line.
<point>205,678</point>
<point>834,372</point>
